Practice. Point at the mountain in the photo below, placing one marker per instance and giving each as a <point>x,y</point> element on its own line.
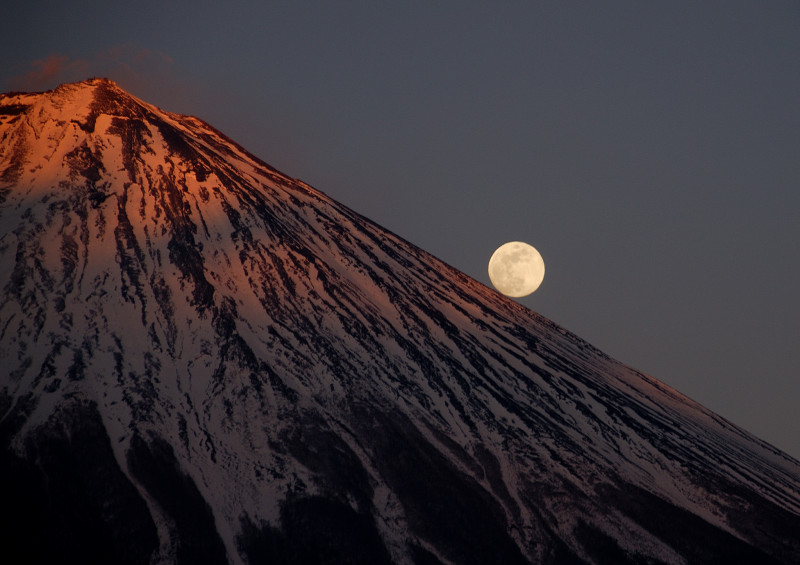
<point>207,361</point>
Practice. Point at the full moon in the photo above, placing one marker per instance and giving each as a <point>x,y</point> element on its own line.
<point>516,269</point>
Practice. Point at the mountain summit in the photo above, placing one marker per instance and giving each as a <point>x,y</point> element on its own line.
<point>207,361</point>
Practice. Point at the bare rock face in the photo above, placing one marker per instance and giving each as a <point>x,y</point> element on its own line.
<point>207,361</point>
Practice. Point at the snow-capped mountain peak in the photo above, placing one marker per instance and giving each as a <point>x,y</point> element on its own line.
<point>210,362</point>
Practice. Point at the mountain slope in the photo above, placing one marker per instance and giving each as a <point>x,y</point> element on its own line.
<point>206,361</point>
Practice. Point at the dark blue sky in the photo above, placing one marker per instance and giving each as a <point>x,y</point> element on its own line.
<point>651,154</point>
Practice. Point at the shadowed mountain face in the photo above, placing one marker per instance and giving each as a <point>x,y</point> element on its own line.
<point>207,361</point>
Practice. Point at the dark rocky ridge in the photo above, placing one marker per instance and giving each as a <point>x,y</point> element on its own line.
<point>206,361</point>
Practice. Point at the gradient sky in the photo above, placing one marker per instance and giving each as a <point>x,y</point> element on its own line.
<point>650,151</point>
